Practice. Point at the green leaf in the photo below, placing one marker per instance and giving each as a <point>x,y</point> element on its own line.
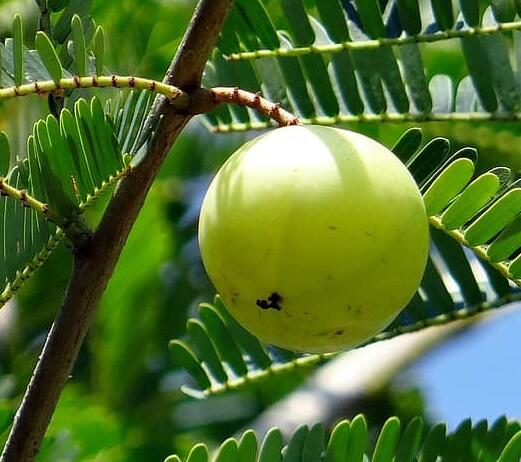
<point>497,52</point>
<point>512,451</point>
<point>464,153</point>
<point>493,441</point>
<point>470,201</point>
<point>508,242</point>
<point>228,452</point>
<point>261,23</point>
<point>387,441</point>
<point>57,5</point>
<point>296,443</point>
<point>443,13</point>
<point>62,28</point>
<point>408,144</point>
<point>422,164</point>
<point>199,453</point>
<point>314,444</point>
<point>271,447</point>
<point>447,185</point>
<point>247,446</point>
<point>205,349</point>
<point>173,458</point>
<point>470,10</point>
<point>337,446</point>
<point>99,50</point>
<point>371,17</point>
<point>434,443</point>
<point>410,16</point>
<point>459,443</point>
<point>414,76</point>
<point>435,289</point>
<point>504,10</point>
<point>390,74</point>
<point>57,196</point>
<point>18,50</point>
<point>333,19</point>
<point>80,52</point>
<point>370,80</point>
<point>312,64</point>
<point>5,154</point>
<point>225,344</point>
<point>357,439</point>
<point>185,358</point>
<point>514,268</point>
<point>410,441</point>
<point>69,131</point>
<point>49,56</point>
<point>458,266</point>
<point>298,22</point>
<point>480,72</point>
<point>342,63</point>
<point>248,342</point>
<point>499,215</point>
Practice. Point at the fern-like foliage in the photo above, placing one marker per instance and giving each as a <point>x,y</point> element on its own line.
<point>332,61</point>
<point>69,162</point>
<point>70,159</point>
<point>51,60</point>
<point>349,441</point>
<point>481,214</point>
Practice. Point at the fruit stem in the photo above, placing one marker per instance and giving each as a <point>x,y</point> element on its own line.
<point>272,110</point>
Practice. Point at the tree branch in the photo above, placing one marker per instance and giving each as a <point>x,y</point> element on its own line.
<point>94,264</point>
<point>203,100</point>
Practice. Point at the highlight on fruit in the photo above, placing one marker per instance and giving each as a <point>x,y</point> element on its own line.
<point>315,237</point>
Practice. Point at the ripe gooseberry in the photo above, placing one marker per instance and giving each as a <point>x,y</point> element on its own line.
<point>315,237</point>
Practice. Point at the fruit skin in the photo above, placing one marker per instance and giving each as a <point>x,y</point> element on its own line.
<point>315,237</point>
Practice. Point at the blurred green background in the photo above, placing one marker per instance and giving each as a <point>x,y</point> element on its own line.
<point>123,401</point>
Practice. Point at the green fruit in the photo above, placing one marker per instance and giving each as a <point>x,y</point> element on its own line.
<point>315,237</point>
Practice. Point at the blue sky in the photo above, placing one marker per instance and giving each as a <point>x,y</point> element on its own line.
<point>476,375</point>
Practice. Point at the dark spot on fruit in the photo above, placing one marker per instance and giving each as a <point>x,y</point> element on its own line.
<point>332,227</point>
<point>339,332</point>
<point>273,301</point>
<point>358,311</point>
<point>306,313</point>
<point>367,233</point>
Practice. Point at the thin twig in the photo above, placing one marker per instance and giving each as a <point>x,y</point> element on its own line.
<point>377,43</point>
<point>94,265</point>
<point>23,197</point>
<point>177,97</point>
<point>255,101</point>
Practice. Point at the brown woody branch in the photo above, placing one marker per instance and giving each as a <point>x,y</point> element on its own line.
<point>254,101</point>
<point>94,264</point>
